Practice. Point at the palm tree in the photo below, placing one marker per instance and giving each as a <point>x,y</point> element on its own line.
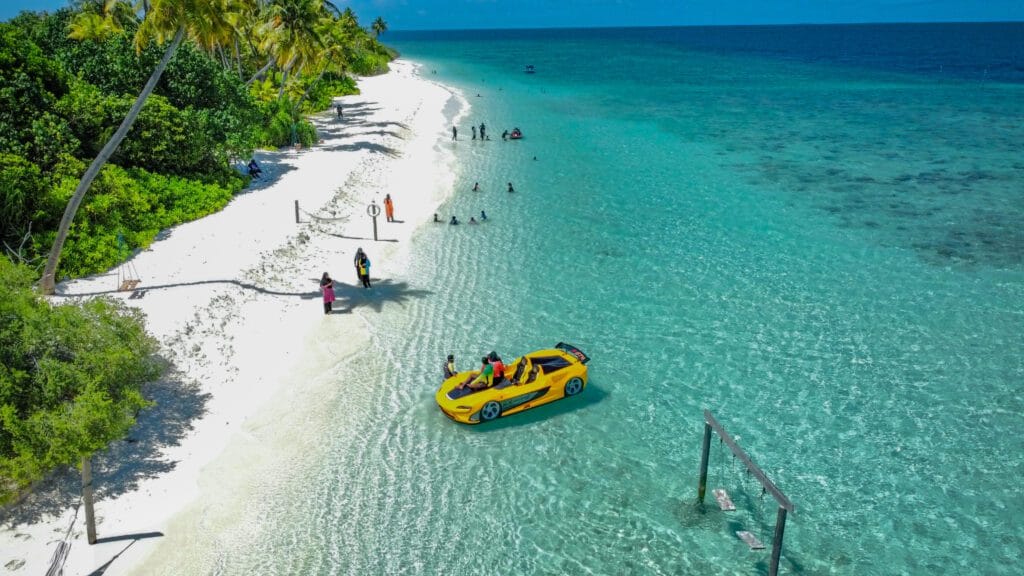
<point>294,35</point>
<point>167,22</point>
<point>379,27</point>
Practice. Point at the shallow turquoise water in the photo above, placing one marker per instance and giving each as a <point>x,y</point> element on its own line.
<point>829,258</point>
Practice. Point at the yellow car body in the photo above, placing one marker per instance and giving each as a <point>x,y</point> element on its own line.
<point>528,381</point>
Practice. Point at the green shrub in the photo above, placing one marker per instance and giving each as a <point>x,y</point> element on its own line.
<point>70,378</point>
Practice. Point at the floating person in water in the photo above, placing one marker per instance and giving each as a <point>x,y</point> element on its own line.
<point>454,221</point>
<point>327,287</point>
<point>474,132</point>
<point>510,188</point>
<point>476,187</point>
<point>472,220</point>
<point>483,216</point>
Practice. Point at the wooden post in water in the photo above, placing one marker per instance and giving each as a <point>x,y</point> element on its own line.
<point>780,529</point>
<point>702,485</point>
<point>296,211</point>
<point>90,515</point>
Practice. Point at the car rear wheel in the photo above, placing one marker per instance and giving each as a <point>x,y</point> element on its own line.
<point>490,411</point>
<point>574,386</point>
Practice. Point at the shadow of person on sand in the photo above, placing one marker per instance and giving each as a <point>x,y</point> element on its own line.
<point>124,463</point>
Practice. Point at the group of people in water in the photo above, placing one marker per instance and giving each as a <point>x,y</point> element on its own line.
<point>454,221</point>
<point>515,134</point>
<point>361,262</point>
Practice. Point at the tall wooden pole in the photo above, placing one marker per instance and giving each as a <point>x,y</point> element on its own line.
<point>296,211</point>
<point>702,486</point>
<point>90,515</point>
<point>780,528</point>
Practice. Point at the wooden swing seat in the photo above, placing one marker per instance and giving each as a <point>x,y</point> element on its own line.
<point>128,285</point>
<point>724,502</point>
<point>750,540</point>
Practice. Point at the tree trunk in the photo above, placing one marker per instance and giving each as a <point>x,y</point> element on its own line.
<point>90,515</point>
<point>309,88</point>
<point>48,281</point>
<point>238,59</point>
<point>284,80</point>
<point>261,71</point>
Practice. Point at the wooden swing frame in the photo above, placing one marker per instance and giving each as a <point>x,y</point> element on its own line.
<point>785,506</point>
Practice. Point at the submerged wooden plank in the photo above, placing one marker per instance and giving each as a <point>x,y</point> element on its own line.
<point>724,502</point>
<point>750,539</point>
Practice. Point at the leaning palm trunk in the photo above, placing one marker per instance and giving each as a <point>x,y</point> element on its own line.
<point>309,88</point>
<point>259,74</point>
<point>49,273</point>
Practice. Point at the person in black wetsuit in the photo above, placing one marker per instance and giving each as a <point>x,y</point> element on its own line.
<point>449,367</point>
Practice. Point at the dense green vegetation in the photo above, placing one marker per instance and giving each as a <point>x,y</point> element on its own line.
<point>119,119</point>
<point>69,378</point>
<point>68,79</point>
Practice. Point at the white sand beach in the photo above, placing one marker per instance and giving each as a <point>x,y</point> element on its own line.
<point>234,301</point>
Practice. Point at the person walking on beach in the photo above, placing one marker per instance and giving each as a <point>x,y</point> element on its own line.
<point>327,287</point>
<point>474,132</point>
<point>338,108</point>
<point>363,267</point>
<point>455,133</point>
<point>389,208</point>
<point>510,188</point>
<point>449,367</point>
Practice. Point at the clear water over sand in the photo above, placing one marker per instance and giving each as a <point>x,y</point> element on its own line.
<point>828,254</point>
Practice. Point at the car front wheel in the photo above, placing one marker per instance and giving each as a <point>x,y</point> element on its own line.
<point>574,386</point>
<point>490,411</point>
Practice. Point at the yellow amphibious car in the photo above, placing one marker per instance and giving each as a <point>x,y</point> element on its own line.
<point>534,379</point>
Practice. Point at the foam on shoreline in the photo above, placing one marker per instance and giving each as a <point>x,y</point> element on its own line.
<point>233,299</point>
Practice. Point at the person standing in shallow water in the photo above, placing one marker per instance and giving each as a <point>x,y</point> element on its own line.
<point>474,132</point>
<point>510,188</point>
<point>455,133</point>
<point>389,208</point>
<point>327,287</point>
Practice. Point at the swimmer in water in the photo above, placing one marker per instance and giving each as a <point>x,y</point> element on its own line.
<point>454,221</point>
<point>483,215</point>
<point>476,187</point>
<point>510,188</point>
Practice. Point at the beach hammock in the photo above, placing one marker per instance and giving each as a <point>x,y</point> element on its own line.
<point>127,275</point>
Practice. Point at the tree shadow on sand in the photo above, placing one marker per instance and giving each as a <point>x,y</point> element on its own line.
<point>382,292</point>
<point>141,291</point>
<point>126,462</point>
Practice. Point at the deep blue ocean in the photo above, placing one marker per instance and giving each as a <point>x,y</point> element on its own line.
<point>816,232</point>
